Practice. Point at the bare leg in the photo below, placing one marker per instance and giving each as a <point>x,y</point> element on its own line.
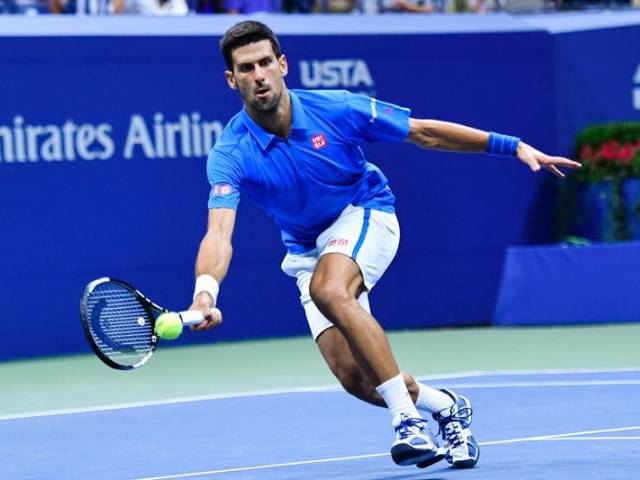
<point>336,352</point>
<point>335,286</point>
<point>359,354</point>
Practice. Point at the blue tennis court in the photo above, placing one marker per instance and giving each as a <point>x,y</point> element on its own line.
<point>563,424</point>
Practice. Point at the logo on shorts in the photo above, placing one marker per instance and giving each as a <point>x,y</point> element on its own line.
<point>222,189</point>
<point>318,141</point>
<point>341,242</point>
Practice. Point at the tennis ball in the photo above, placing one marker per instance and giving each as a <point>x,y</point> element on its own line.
<point>169,326</point>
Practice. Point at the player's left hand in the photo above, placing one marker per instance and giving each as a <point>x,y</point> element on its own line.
<point>536,160</point>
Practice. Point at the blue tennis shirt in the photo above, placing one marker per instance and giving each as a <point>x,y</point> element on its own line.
<point>306,180</point>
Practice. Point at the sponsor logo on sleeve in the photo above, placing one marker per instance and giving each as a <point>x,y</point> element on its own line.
<point>222,189</point>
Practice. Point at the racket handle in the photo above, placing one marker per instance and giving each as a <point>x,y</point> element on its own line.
<point>191,317</point>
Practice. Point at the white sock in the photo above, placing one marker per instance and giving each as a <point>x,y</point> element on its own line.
<point>432,400</point>
<point>396,396</point>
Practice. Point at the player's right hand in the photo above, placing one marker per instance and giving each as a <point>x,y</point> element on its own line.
<point>212,316</point>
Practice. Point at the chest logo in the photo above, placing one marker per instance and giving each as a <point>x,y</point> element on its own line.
<point>318,141</point>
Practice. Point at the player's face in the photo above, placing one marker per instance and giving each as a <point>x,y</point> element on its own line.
<point>258,75</point>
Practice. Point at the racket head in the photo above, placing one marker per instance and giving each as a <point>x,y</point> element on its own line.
<point>119,323</point>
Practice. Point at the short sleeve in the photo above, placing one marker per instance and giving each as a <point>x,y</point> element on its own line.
<point>225,176</point>
<point>375,121</point>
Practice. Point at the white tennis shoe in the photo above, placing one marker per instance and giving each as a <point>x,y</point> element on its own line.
<point>414,443</point>
<point>462,449</point>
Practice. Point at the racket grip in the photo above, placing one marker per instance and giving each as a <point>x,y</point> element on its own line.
<point>191,317</point>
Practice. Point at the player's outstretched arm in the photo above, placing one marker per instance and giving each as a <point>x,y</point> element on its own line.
<point>440,135</point>
<point>212,263</point>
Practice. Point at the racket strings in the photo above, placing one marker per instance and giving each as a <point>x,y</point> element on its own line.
<point>119,324</point>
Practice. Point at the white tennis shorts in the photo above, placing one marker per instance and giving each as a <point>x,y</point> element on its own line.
<point>370,237</point>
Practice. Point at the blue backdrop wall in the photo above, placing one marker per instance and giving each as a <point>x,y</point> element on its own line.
<point>598,78</point>
<point>103,141</point>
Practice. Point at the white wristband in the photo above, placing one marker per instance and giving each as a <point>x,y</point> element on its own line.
<point>206,283</point>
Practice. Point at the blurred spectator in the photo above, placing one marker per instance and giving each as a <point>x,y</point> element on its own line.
<point>150,7</point>
<point>62,6</point>
<point>341,6</point>
<point>477,6</point>
<point>298,6</point>
<point>206,6</point>
<point>24,7</point>
<point>251,6</point>
<point>412,6</point>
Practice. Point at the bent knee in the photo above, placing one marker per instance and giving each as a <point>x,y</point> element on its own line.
<point>326,293</point>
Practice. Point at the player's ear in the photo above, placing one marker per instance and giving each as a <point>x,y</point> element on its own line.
<point>284,66</point>
<point>231,80</point>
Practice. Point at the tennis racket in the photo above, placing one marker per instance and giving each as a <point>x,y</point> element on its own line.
<point>119,322</point>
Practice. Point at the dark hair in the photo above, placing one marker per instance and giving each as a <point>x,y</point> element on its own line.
<point>244,33</point>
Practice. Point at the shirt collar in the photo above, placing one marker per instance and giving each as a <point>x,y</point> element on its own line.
<point>264,138</point>
<point>298,115</point>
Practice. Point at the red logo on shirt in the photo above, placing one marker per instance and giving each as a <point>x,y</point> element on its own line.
<point>318,141</point>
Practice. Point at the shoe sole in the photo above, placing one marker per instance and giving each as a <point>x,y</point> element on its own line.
<point>405,455</point>
<point>440,455</point>
<point>462,464</point>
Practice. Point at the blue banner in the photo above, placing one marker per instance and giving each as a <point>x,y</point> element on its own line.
<point>552,285</point>
<point>103,143</point>
<point>598,79</point>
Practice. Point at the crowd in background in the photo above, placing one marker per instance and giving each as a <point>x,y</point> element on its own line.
<point>186,7</point>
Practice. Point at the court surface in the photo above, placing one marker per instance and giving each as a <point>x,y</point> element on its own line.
<point>563,424</point>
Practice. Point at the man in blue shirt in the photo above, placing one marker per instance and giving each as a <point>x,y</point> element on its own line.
<point>297,153</point>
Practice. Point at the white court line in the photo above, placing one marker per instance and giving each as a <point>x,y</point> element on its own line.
<point>559,435</point>
<point>326,388</point>
<point>168,401</point>
<point>575,439</point>
<point>201,398</point>
<point>264,467</point>
<point>576,383</point>
<point>551,371</point>
<point>565,436</point>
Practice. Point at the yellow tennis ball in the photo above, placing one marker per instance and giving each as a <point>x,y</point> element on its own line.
<point>169,326</point>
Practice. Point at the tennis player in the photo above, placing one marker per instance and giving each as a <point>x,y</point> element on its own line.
<point>297,153</point>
